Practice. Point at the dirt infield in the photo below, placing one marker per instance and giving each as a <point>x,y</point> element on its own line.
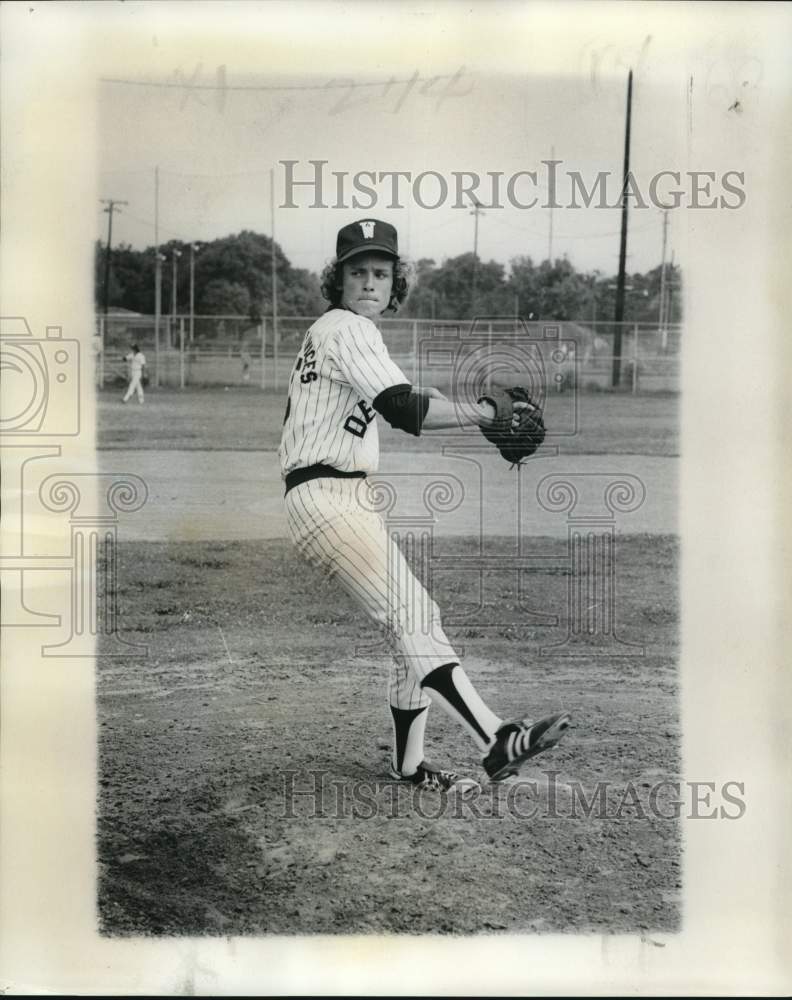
<point>243,758</point>
<point>243,782</point>
<point>237,495</point>
<point>247,419</point>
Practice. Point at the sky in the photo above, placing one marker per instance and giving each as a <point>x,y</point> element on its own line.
<point>215,134</point>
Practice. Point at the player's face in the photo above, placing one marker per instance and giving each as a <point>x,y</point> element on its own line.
<point>367,283</point>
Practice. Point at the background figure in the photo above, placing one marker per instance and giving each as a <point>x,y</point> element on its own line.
<point>137,363</point>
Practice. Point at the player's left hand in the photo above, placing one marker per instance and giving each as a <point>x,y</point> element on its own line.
<point>433,393</point>
<point>517,429</point>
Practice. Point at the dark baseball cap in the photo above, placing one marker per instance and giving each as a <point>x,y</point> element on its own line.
<point>368,234</point>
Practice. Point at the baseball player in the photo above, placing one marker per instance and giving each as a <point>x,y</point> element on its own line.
<point>136,360</point>
<point>342,380</point>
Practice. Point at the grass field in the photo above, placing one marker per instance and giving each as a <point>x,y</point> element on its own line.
<point>243,761</point>
<point>248,419</point>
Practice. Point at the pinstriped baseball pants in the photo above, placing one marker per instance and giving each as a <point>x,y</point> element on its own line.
<point>331,530</point>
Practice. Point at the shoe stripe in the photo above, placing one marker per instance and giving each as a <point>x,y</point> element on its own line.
<point>425,779</point>
<point>524,740</point>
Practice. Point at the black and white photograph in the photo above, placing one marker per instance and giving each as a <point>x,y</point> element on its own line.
<point>393,491</point>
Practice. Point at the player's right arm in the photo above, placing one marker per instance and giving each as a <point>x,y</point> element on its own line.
<point>364,361</point>
<point>444,414</point>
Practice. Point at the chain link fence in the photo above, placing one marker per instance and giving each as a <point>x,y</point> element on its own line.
<point>186,351</point>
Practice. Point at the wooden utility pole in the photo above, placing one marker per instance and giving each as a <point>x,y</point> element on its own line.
<point>112,204</point>
<point>619,315</point>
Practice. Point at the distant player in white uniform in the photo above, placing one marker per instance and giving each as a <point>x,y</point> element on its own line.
<point>342,379</point>
<point>136,361</point>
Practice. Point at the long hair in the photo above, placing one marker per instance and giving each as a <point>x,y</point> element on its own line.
<point>333,274</point>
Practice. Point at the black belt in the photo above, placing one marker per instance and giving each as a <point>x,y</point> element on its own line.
<point>298,476</point>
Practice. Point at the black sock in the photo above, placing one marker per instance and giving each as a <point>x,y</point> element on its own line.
<point>450,686</point>
<point>403,719</point>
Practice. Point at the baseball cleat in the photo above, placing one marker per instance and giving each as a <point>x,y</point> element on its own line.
<point>517,742</point>
<point>428,777</point>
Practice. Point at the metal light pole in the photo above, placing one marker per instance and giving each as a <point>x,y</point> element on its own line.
<point>174,287</point>
<point>194,248</point>
<point>593,289</point>
<point>174,294</point>
<point>477,210</point>
<point>662,318</point>
<point>159,259</point>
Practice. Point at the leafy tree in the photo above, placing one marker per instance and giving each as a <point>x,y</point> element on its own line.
<point>562,291</point>
<point>233,275</point>
<point>446,292</point>
<point>642,296</point>
<point>243,260</point>
<point>524,287</point>
<point>224,298</point>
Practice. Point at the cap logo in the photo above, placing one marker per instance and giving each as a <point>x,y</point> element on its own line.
<point>368,229</point>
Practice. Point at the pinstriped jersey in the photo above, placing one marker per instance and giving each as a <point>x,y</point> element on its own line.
<point>342,367</point>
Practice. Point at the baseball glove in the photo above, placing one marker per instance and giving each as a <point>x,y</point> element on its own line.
<point>518,427</point>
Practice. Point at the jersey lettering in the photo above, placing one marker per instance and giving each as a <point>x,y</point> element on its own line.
<point>357,426</point>
<point>342,365</point>
<point>306,363</point>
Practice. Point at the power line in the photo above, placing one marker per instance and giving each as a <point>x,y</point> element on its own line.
<point>183,173</point>
<point>332,84</point>
<point>569,236</point>
<point>153,225</point>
